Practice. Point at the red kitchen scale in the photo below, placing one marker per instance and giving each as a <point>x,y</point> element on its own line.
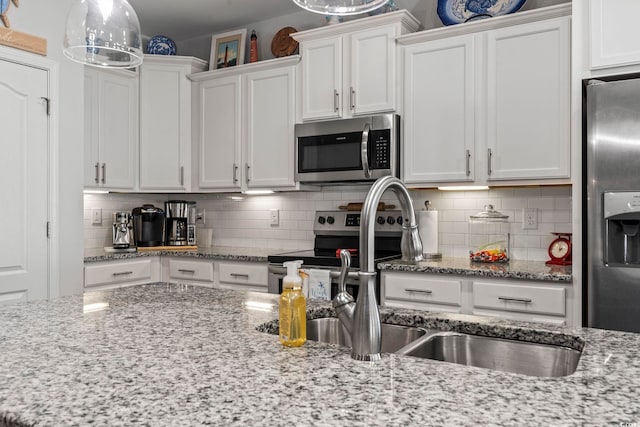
<point>560,249</point>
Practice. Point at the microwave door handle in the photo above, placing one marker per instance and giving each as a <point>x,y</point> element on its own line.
<point>365,151</point>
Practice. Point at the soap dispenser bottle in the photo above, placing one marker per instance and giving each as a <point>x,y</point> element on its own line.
<point>293,308</point>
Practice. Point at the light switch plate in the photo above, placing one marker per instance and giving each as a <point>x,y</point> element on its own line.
<point>96,216</point>
<point>530,219</point>
<point>274,216</point>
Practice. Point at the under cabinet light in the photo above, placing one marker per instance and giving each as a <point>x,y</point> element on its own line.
<point>257,192</point>
<point>464,188</point>
<point>95,192</point>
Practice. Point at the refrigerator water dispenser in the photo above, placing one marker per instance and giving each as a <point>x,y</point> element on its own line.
<point>622,229</point>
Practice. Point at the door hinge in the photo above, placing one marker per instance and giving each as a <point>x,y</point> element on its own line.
<point>48,102</point>
<point>48,229</point>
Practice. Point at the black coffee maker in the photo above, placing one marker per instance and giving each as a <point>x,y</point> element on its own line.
<point>177,215</point>
<point>148,226</point>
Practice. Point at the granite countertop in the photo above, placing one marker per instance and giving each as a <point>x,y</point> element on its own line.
<point>165,354</point>
<point>514,269</point>
<point>229,253</point>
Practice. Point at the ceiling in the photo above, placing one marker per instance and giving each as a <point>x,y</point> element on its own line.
<point>184,19</point>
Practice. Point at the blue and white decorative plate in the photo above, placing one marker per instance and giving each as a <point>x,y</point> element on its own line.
<point>457,11</point>
<point>161,45</point>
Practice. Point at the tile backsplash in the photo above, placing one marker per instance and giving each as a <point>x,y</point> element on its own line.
<point>246,222</point>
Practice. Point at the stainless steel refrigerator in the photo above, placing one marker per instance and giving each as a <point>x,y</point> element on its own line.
<point>612,205</point>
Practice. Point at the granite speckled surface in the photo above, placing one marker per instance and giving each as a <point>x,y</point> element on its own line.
<point>514,269</point>
<point>228,253</point>
<point>164,354</point>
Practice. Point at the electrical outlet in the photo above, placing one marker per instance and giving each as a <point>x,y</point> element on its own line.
<point>200,216</point>
<point>96,216</point>
<point>274,215</point>
<point>530,219</point>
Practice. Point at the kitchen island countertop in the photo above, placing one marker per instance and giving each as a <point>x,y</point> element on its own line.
<point>164,354</point>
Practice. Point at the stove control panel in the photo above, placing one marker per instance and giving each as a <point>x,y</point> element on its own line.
<point>348,223</point>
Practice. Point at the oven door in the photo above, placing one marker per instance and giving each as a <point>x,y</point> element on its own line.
<point>277,273</point>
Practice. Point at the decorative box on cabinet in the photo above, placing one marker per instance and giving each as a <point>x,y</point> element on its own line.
<point>614,33</point>
<point>165,122</point>
<point>350,69</point>
<point>489,101</point>
<point>110,274</point>
<point>111,97</point>
<point>246,142</point>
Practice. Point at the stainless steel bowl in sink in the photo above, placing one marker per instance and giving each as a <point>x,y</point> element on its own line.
<point>330,330</point>
<point>540,360</point>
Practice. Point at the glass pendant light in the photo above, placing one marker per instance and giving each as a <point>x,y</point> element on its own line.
<point>103,33</point>
<point>340,7</point>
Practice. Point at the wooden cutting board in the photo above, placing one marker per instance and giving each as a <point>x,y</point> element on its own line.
<point>166,248</point>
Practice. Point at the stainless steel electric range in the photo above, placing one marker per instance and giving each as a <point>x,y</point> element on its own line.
<point>335,230</point>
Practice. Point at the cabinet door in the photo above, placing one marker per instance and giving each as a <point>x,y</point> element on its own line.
<point>163,126</point>
<point>439,121</point>
<point>614,32</point>
<point>117,130</point>
<point>321,78</point>
<point>91,159</point>
<point>270,117</point>
<point>373,71</point>
<point>220,133</point>
<point>528,94</point>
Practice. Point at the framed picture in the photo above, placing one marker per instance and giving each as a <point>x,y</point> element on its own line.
<point>227,49</point>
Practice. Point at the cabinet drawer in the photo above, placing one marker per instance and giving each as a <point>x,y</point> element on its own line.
<point>117,272</point>
<point>521,298</point>
<point>422,288</point>
<point>191,270</point>
<point>243,274</point>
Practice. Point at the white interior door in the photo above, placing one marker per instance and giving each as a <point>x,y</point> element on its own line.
<point>23,182</point>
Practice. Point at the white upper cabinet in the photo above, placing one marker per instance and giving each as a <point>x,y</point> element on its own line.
<point>350,69</point>
<point>111,129</point>
<point>439,113</point>
<point>489,101</point>
<point>528,101</point>
<point>165,122</point>
<point>614,33</point>
<point>245,119</point>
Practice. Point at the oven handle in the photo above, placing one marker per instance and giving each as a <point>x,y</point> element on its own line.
<point>364,152</point>
<point>277,269</point>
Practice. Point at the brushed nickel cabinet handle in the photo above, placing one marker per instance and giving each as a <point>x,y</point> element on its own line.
<point>522,300</point>
<point>468,163</point>
<point>183,270</point>
<point>248,169</point>
<point>104,173</point>
<point>336,100</point>
<point>352,98</point>
<point>124,273</point>
<point>182,176</point>
<point>419,291</point>
<point>244,276</point>
<point>490,153</point>
<point>235,173</point>
<point>97,166</point>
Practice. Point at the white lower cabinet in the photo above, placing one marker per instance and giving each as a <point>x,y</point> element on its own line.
<point>421,292</point>
<point>181,270</point>
<point>523,300</point>
<point>243,275</point>
<point>113,274</point>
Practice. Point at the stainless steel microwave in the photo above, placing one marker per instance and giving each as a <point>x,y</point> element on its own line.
<point>349,150</point>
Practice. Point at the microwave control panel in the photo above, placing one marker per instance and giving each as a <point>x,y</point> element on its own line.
<point>380,150</point>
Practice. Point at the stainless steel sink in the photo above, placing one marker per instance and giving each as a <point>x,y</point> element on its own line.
<point>540,360</point>
<point>330,330</point>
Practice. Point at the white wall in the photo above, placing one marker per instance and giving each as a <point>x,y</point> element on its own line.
<point>47,18</point>
<point>245,223</point>
<point>423,10</point>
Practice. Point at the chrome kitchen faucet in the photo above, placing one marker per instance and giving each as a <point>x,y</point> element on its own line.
<point>362,318</point>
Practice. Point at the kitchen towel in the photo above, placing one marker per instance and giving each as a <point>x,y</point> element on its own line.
<point>319,284</point>
<point>428,229</point>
